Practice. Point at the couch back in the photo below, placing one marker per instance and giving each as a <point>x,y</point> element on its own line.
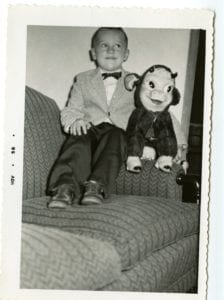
<point>42,141</point>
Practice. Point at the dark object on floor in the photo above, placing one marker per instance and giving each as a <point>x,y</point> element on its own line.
<point>191,187</point>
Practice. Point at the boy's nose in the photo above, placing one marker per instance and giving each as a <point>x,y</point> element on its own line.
<point>110,49</point>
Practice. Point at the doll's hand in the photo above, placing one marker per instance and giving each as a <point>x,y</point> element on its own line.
<point>181,157</point>
<point>164,163</point>
<point>185,166</point>
<point>134,164</point>
<point>78,127</point>
<point>149,153</point>
<point>181,154</point>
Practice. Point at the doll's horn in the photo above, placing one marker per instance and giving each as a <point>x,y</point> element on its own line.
<point>173,75</point>
<point>152,69</point>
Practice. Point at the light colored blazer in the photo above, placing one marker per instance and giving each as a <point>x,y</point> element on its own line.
<point>88,101</point>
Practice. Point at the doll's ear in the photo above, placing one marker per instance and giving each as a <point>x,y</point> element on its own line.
<point>176,97</point>
<point>131,80</point>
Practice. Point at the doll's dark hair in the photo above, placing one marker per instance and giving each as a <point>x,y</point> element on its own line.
<point>95,35</point>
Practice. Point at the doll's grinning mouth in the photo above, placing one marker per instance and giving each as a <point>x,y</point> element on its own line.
<point>155,101</point>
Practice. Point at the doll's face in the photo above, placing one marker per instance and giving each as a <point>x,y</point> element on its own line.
<point>156,91</point>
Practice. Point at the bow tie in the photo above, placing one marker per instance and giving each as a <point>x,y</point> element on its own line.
<point>116,75</point>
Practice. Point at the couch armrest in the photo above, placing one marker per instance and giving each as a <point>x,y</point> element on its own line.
<point>150,182</point>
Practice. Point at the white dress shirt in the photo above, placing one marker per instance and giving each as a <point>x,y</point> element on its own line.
<point>110,84</point>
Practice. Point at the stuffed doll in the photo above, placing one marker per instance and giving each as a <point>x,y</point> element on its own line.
<point>150,132</point>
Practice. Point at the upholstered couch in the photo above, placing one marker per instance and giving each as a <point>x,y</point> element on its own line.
<point>144,239</point>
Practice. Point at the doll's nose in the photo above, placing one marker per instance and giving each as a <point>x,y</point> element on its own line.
<point>158,95</point>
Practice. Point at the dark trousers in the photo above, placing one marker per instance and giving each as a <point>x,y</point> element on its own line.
<point>97,155</point>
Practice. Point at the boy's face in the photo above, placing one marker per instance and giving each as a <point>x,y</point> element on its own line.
<point>110,49</point>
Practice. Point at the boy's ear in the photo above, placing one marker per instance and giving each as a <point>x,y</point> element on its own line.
<point>131,80</point>
<point>126,54</point>
<point>92,54</point>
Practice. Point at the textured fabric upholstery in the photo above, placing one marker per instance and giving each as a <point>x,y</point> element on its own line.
<point>135,225</point>
<point>159,271</point>
<point>144,238</point>
<point>53,259</point>
<point>42,141</point>
<point>150,181</point>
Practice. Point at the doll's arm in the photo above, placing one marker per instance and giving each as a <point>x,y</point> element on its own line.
<point>166,143</point>
<point>135,143</point>
<point>135,136</point>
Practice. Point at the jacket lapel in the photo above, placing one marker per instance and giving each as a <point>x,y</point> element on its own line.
<point>120,89</point>
<point>98,89</point>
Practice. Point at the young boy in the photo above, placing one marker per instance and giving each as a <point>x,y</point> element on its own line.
<point>96,117</point>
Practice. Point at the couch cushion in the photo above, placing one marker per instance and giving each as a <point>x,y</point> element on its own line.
<point>135,225</point>
<point>161,271</point>
<point>53,259</point>
<point>42,141</point>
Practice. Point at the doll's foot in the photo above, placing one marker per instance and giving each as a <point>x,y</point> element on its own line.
<point>164,163</point>
<point>62,197</point>
<point>134,164</point>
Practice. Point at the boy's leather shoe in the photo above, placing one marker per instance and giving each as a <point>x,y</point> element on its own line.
<point>62,196</point>
<point>93,193</point>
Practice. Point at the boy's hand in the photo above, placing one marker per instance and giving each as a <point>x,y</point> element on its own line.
<point>78,127</point>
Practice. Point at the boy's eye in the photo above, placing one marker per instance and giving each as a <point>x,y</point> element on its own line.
<point>151,84</point>
<point>117,46</point>
<point>103,45</point>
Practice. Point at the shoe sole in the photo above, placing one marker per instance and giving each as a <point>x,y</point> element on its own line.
<point>58,204</point>
<point>90,201</point>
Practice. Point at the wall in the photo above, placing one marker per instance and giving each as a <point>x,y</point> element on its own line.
<point>56,54</point>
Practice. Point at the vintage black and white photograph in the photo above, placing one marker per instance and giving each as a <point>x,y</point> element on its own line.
<point>115,154</point>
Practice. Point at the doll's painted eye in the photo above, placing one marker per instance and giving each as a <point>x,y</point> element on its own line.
<point>169,88</point>
<point>151,84</point>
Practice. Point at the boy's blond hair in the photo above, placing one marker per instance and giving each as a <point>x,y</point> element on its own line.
<point>94,37</point>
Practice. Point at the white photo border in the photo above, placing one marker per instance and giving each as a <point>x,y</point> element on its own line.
<point>19,17</point>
